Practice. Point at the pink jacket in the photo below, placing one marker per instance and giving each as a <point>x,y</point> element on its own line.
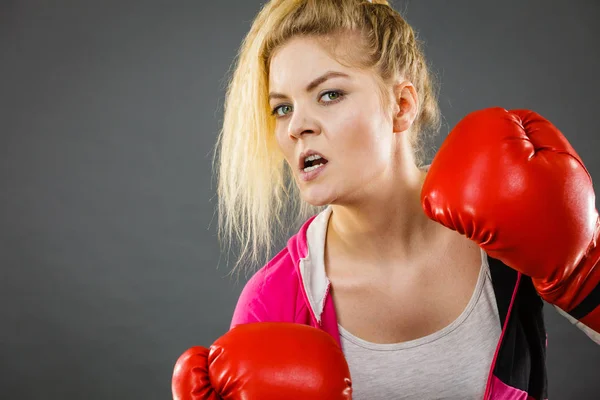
<point>286,290</point>
<point>277,291</point>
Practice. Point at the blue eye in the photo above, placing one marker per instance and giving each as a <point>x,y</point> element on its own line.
<point>333,95</point>
<point>285,106</point>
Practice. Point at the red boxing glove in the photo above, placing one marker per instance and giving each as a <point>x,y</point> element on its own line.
<point>265,361</point>
<point>510,181</point>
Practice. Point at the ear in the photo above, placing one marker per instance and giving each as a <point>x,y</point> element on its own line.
<point>406,105</point>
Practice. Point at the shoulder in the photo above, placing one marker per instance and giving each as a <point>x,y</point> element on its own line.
<point>275,292</point>
<point>273,278</point>
<point>271,294</point>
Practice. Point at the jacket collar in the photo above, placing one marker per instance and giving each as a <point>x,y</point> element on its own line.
<point>308,247</point>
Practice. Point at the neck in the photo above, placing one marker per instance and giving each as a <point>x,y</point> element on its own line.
<point>387,225</point>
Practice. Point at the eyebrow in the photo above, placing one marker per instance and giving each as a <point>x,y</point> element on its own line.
<point>313,84</point>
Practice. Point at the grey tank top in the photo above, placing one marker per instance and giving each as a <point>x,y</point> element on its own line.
<point>452,363</point>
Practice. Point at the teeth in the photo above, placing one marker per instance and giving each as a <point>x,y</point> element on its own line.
<point>312,158</point>
<point>312,168</point>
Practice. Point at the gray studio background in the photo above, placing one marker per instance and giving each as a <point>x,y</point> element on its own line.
<point>109,112</point>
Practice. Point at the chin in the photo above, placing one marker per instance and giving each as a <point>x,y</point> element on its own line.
<point>317,202</point>
<point>317,199</point>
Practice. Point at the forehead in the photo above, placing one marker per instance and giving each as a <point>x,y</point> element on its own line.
<point>301,59</point>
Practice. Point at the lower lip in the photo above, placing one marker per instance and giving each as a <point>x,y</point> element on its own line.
<point>309,176</point>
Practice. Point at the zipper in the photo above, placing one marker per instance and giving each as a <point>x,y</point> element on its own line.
<point>487,394</point>
<point>324,302</point>
<point>315,321</point>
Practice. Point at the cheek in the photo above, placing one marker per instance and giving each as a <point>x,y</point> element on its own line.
<point>365,137</point>
<point>286,146</point>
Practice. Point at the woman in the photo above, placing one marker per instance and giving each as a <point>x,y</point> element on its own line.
<point>325,120</point>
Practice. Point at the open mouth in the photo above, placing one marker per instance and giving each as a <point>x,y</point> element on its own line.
<point>313,162</point>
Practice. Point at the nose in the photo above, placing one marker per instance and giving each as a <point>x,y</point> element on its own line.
<point>301,124</point>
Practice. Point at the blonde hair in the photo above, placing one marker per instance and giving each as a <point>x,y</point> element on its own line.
<point>258,200</point>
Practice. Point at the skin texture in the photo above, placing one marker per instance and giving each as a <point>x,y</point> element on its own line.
<point>396,274</point>
<point>370,179</point>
